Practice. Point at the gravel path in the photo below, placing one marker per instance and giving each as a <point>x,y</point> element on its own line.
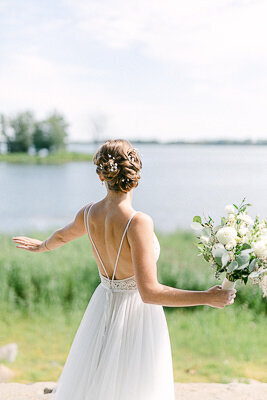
<point>184,391</point>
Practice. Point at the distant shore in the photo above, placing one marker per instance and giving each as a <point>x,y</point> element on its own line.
<point>221,142</point>
<point>51,158</point>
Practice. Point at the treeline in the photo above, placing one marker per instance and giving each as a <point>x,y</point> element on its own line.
<point>23,131</point>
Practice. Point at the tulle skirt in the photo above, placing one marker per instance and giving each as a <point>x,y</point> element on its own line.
<point>121,351</point>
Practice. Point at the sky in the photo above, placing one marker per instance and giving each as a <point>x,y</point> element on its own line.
<point>150,69</point>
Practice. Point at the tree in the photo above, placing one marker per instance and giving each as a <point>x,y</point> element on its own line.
<point>50,133</point>
<point>19,137</point>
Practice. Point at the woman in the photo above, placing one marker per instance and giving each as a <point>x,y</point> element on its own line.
<point>121,350</point>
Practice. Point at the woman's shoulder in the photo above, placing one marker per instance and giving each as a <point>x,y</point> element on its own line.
<point>142,220</point>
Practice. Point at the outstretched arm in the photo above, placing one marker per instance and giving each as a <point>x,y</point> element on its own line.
<point>61,236</point>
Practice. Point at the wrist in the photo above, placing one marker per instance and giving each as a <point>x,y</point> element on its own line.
<point>206,298</point>
<point>45,245</point>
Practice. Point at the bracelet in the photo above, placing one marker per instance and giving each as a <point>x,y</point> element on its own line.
<point>46,245</point>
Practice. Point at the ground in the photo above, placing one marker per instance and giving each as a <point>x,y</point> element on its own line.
<point>184,391</point>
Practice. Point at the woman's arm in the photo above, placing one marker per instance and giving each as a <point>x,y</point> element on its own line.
<point>61,236</point>
<point>140,236</point>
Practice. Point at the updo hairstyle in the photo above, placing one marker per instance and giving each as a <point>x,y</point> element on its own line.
<point>119,164</point>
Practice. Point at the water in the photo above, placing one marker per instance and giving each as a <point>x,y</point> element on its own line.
<point>177,183</point>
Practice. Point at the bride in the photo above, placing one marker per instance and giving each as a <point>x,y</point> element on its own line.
<point>121,350</point>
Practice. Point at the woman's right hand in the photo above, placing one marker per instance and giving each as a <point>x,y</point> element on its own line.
<point>219,298</point>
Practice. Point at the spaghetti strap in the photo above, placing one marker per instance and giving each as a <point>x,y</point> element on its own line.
<point>118,255</point>
<point>86,222</point>
<point>88,230</point>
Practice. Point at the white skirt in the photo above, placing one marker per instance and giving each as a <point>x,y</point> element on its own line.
<point>121,350</point>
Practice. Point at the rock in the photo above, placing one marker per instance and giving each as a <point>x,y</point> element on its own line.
<point>22,391</point>
<point>5,373</point>
<point>48,390</point>
<point>9,352</point>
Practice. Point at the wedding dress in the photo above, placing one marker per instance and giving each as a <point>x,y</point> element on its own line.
<point>121,350</point>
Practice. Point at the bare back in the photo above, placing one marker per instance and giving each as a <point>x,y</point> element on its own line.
<point>106,226</point>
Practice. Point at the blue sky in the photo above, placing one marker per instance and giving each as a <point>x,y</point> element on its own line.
<point>154,69</point>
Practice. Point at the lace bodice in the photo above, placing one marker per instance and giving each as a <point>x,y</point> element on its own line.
<point>130,283</point>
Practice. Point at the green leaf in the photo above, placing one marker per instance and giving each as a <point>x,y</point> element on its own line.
<point>232,266</point>
<point>247,251</point>
<point>243,260</point>
<point>206,257</point>
<point>197,218</point>
<point>218,253</point>
<point>254,274</point>
<point>245,246</point>
<point>252,265</point>
<point>225,259</point>
<point>196,226</point>
<point>235,206</point>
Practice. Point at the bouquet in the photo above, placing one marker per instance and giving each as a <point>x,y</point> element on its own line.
<point>237,246</point>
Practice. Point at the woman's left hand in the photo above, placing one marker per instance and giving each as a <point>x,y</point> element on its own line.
<point>27,243</point>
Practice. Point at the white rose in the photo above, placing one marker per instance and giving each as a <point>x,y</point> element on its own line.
<point>260,248</point>
<point>226,234</point>
<point>243,231</point>
<point>263,231</point>
<point>246,218</point>
<point>204,239</point>
<point>230,245</point>
<point>230,209</point>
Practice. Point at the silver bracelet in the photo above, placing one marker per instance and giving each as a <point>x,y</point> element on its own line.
<point>46,245</point>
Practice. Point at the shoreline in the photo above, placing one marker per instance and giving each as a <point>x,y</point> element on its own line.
<point>51,158</point>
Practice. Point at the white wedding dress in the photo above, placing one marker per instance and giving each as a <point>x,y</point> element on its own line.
<point>121,350</point>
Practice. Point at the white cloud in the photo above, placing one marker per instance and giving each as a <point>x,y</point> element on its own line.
<point>211,57</point>
<point>211,38</point>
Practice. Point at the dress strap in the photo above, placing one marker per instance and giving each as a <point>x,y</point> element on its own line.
<point>88,230</point>
<point>124,233</point>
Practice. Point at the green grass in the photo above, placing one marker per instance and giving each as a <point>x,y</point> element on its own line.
<point>43,297</point>
<point>58,157</point>
<point>66,277</point>
<point>210,345</point>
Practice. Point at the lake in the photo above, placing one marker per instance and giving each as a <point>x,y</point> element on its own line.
<point>177,182</point>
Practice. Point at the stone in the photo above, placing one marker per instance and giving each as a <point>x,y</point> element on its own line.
<point>9,352</point>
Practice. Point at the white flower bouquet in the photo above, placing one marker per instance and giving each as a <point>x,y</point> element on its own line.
<point>237,246</point>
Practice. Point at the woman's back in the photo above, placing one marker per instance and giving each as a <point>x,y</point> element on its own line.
<point>107,225</point>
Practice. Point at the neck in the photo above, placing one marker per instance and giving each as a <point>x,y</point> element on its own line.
<point>119,197</point>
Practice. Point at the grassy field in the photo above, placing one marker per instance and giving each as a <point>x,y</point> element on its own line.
<point>58,157</point>
<point>209,345</point>
<point>43,297</point>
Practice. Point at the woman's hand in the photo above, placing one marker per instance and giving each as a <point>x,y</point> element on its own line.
<point>27,243</point>
<point>219,298</point>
